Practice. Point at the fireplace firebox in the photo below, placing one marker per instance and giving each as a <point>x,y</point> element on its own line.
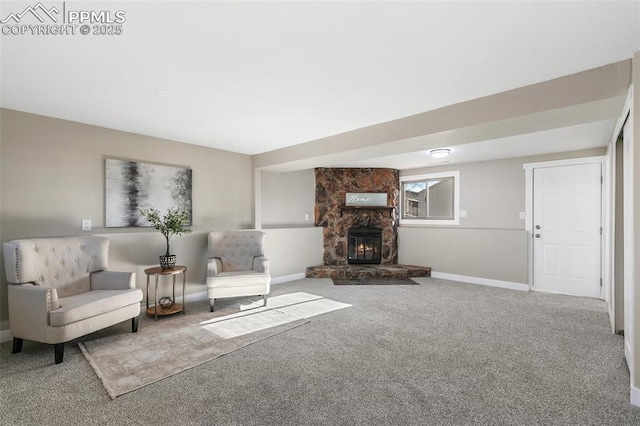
<point>364,245</point>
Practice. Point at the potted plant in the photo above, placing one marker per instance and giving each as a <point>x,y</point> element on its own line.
<point>174,222</point>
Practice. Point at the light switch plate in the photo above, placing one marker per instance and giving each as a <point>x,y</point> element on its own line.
<point>522,215</point>
<point>86,224</point>
<point>463,213</point>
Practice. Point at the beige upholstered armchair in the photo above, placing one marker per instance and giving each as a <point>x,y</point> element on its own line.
<point>59,290</point>
<point>237,266</point>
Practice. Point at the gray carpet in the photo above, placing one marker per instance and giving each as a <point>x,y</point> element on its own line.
<point>436,353</point>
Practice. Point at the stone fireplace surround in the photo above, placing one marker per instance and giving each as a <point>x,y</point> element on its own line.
<point>336,219</point>
<point>332,184</point>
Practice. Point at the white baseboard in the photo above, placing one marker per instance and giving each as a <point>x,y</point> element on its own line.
<point>634,396</point>
<point>194,297</point>
<point>287,278</point>
<point>482,281</point>
<point>5,336</point>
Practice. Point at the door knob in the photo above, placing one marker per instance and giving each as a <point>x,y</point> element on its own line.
<point>538,235</point>
<point>537,226</point>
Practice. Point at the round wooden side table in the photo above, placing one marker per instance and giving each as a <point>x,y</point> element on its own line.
<point>173,308</point>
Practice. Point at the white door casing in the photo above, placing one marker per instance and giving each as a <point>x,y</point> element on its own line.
<point>629,249</point>
<point>567,229</point>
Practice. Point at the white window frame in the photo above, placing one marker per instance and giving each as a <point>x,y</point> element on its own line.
<point>456,199</point>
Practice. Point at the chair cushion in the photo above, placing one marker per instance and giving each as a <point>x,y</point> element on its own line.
<point>92,303</point>
<point>238,279</point>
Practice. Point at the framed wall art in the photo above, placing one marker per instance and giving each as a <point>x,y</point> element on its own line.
<point>134,185</point>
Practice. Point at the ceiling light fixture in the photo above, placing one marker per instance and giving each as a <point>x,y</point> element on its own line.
<point>164,93</point>
<point>440,153</point>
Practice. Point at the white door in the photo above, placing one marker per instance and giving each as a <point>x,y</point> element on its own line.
<point>566,221</point>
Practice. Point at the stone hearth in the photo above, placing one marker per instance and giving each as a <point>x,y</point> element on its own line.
<point>341,272</point>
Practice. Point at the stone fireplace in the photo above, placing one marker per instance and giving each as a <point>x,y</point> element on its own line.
<point>361,241</point>
<point>332,185</point>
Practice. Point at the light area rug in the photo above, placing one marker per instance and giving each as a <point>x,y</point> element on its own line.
<point>128,361</point>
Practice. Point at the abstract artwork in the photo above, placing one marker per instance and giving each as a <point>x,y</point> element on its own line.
<point>132,185</point>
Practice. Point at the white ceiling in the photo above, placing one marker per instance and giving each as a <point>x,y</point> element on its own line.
<point>251,77</point>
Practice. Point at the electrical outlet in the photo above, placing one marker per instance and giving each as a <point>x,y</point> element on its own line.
<point>522,215</point>
<point>463,213</point>
<point>306,217</point>
<point>86,224</point>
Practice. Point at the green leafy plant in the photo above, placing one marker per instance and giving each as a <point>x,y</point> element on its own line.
<point>174,222</point>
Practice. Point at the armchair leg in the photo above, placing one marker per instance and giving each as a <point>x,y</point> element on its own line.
<point>211,305</point>
<point>134,324</point>
<point>264,297</point>
<point>58,350</point>
<point>17,345</point>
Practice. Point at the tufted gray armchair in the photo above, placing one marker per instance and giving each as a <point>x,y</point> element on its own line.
<point>59,290</point>
<point>237,266</point>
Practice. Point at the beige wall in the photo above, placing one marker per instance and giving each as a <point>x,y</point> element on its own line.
<point>287,197</point>
<point>52,177</point>
<point>490,242</point>
<point>492,192</point>
<point>491,254</point>
<point>291,250</point>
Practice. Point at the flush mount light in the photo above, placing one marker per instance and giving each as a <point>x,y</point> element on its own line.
<point>164,93</point>
<point>440,153</point>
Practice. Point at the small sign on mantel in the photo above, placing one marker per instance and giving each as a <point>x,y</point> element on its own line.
<point>366,199</point>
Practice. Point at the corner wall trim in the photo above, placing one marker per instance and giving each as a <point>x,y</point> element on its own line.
<point>634,396</point>
<point>287,278</point>
<point>482,281</point>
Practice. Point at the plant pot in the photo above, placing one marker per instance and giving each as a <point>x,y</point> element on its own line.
<point>168,262</point>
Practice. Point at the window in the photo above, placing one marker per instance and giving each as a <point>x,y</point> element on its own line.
<point>430,199</point>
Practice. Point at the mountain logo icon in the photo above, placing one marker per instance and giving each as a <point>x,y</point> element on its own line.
<point>38,11</point>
